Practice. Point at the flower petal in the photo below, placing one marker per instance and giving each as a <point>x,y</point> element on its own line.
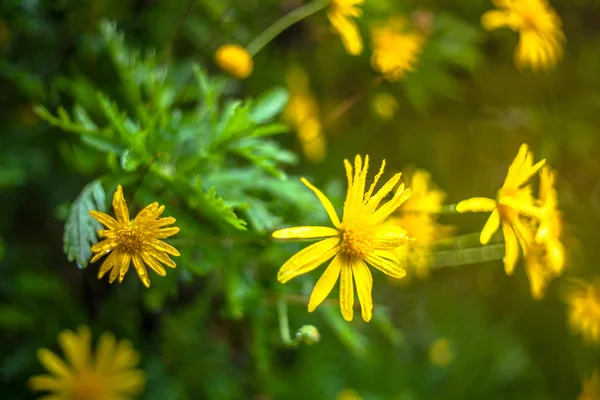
<point>522,207</point>
<point>385,210</point>
<point>105,352</point>
<point>105,245</point>
<point>364,286</point>
<point>120,206</point>
<point>325,201</point>
<point>161,256</point>
<point>348,32</point>
<point>53,363</point>
<point>125,356</point>
<point>108,263</point>
<point>164,232</point>
<point>305,232</point>
<point>388,265</point>
<point>390,236</point>
<point>76,347</point>
<point>325,283</point>
<point>141,270</point>
<point>162,246</point>
<point>146,214</point>
<point>346,292</point>
<point>130,382</point>
<point>495,19</point>
<point>161,222</point>
<point>45,383</point>
<point>476,204</point>
<point>308,259</point>
<point>107,233</point>
<point>511,252</point>
<point>122,267</point>
<point>490,227</point>
<point>154,265</point>
<point>374,201</point>
<point>105,219</point>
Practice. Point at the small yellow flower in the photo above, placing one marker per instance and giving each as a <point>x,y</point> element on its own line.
<point>440,352</point>
<point>134,241</point>
<point>109,374</point>
<point>302,112</point>
<point>591,387</point>
<point>348,394</point>
<point>541,37</point>
<point>385,105</point>
<point>584,310</point>
<point>235,60</point>
<point>418,217</point>
<point>360,237</point>
<point>395,49</point>
<point>513,201</point>
<point>545,259</point>
<point>340,15</point>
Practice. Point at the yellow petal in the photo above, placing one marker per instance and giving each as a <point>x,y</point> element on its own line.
<point>556,255</point>
<point>308,259</point>
<point>105,245</point>
<point>305,232</point>
<point>388,237</point>
<point>76,347</point>
<point>45,383</point>
<point>120,206</point>
<point>162,246</point>
<point>348,168</point>
<point>125,356</point>
<point>153,264</point>
<point>161,222</point>
<point>388,265</point>
<point>348,32</point>
<point>495,19</point>
<point>346,292</point>
<point>141,270</point>
<point>121,268</point>
<point>147,213</point>
<point>53,363</point>
<point>374,201</point>
<point>385,210</point>
<point>511,252</point>
<point>130,382</point>
<point>490,227</point>
<point>476,204</point>
<point>105,219</point>
<point>326,203</point>
<point>164,233</point>
<point>107,233</point>
<point>162,257</point>
<point>105,352</point>
<point>375,180</point>
<point>522,207</point>
<point>364,286</point>
<point>325,283</point>
<point>108,263</point>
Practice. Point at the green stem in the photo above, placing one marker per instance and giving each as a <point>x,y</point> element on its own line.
<point>448,209</point>
<point>283,23</point>
<point>284,324</point>
<point>474,255</point>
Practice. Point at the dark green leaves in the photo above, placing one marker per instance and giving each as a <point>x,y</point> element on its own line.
<point>81,228</point>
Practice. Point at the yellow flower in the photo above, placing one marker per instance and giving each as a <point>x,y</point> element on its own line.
<point>302,112</point>
<point>541,37</point>
<point>584,310</point>
<point>385,105</point>
<point>360,237</point>
<point>395,50</point>
<point>513,201</point>
<point>235,60</point>
<point>109,374</point>
<point>591,387</point>
<point>134,241</point>
<point>545,259</point>
<point>440,352</point>
<point>339,14</point>
<point>418,218</point>
<point>348,394</point>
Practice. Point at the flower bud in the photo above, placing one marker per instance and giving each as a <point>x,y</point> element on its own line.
<point>308,335</point>
<point>234,60</point>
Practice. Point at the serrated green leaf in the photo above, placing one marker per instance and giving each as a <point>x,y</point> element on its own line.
<point>269,105</point>
<point>81,228</point>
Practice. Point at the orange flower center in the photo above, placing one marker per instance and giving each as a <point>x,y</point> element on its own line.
<point>131,239</point>
<point>357,238</point>
<point>88,385</point>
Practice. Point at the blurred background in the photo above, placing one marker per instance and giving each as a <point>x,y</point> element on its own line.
<point>211,328</point>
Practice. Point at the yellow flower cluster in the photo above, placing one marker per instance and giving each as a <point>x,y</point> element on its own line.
<point>533,225</point>
<point>584,310</point>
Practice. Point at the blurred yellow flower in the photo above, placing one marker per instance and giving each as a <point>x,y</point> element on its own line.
<point>340,15</point>
<point>584,310</point>
<point>385,105</point>
<point>513,201</point>
<point>234,60</point>
<point>591,387</point>
<point>302,113</point>
<point>110,374</point>
<point>395,48</point>
<point>545,259</point>
<point>360,237</point>
<point>348,394</point>
<point>541,38</point>
<point>134,241</point>
<point>440,353</point>
<point>418,217</point>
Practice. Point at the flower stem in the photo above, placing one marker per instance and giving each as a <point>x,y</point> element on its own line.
<point>283,23</point>
<point>284,324</point>
<point>474,255</point>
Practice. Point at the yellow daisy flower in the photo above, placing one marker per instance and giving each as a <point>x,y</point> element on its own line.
<point>541,37</point>
<point>584,310</point>
<point>513,201</point>
<point>109,374</point>
<point>234,60</point>
<point>134,241</point>
<point>360,237</point>
<point>302,112</point>
<point>395,50</point>
<point>591,387</point>
<point>546,256</point>
<point>339,14</point>
<point>418,218</point>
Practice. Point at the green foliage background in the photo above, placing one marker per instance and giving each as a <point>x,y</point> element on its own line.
<point>84,108</point>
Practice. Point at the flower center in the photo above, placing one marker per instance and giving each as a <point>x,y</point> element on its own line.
<point>529,21</point>
<point>88,385</point>
<point>357,238</point>
<point>131,239</point>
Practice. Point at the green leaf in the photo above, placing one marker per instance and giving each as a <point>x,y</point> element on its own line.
<point>269,105</point>
<point>81,228</point>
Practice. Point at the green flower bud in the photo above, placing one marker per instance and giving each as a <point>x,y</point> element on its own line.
<point>308,334</point>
